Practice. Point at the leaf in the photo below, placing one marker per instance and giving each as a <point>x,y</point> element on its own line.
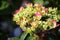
<point>31,37</point>
<point>46,2</point>
<point>15,38</point>
<point>38,1</point>
<point>4,5</point>
<point>23,36</point>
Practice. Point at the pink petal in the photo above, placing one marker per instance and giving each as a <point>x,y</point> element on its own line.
<point>58,25</point>
<point>37,14</point>
<point>54,21</point>
<point>41,6</point>
<point>17,11</point>
<point>21,8</point>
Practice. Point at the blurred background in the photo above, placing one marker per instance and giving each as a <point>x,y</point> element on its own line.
<point>8,28</point>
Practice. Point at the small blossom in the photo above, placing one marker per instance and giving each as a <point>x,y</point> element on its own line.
<point>17,22</point>
<point>21,8</point>
<point>43,11</point>
<point>21,19</point>
<point>17,11</point>
<point>28,30</point>
<point>41,6</point>
<point>32,21</point>
<point>29,4</point>
<point>35,5</point>
<point>54,22</point>
<point>14,14</point>
<point>46,10</point>
<point>35,25</point>
<point>38,14</point>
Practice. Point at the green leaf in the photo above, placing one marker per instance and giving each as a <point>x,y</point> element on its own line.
<point>23,36</point>
<point>46,2</point>
<point>4,5</point>
<point>15,38</point>
<point>31,37</point>
<point>38,1</point>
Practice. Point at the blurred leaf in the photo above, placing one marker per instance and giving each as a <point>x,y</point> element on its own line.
<point>23,36</point>
<point>0,33</point>
<point>46,2</point>
<point>58,14</point>
<point>38,1</point>
<point>50,38</point>
<point>31,37</point>
<point>4,5</point>
<point>15,38</point>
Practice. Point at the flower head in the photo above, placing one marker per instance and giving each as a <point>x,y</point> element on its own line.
<point>34,16</point>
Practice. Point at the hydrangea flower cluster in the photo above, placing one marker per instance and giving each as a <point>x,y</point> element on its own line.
<point>36,16</point>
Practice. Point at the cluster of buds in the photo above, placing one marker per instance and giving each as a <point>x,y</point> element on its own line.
<point>31,17</point>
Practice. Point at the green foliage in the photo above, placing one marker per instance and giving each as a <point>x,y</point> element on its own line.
<point>46,2</point>
<point>49,3</point>
<point>23,36</point>
<point>4,5</point>
<point>31,37</point>
<point>15,38</point>
<point>38,1</point>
